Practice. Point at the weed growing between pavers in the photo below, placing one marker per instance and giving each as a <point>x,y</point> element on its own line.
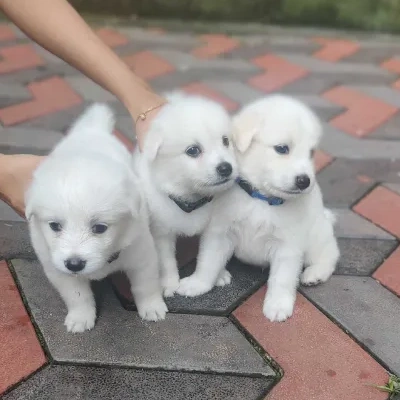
<point>392,387</point>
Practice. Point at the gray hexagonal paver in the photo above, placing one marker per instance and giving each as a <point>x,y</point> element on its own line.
<point>83,383</point>
<point>120,337</point>
<point>367,310</point>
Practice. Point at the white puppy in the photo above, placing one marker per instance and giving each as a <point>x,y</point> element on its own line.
<point>274,214</point>
<point>87,219</point>
<point>187,159</point>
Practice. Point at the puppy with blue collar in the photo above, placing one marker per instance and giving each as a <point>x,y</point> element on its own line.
<point>274,214</point>
<point>186,162</point>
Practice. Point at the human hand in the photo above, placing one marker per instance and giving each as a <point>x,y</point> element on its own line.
<point>15,176</point>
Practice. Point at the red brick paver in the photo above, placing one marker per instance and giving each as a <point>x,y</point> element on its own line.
<point>389,272</point>
<point>50,95</point>
<point>203,90</point>
<point>6,33</point>
<point>19,57</point>
<point>214,46</point>
<point>364,113</point>
<point>334,50</point>
<point>319,360</point>
<point>148,65</point>
<point>382,207</point>
<point>278,73</point>
<point>20,351</point>
<point>321,160</point>
<point>393,65</point>
<point>111,37</point>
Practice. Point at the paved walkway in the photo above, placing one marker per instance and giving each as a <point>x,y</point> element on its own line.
<point>344,335</point>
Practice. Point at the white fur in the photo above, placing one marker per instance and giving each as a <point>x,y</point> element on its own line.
<point>286,236</point>
<point>165,169</point>
<point>87,180</point>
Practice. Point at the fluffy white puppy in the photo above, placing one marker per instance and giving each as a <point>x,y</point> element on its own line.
<point>274,214</point>
<point>187,159</point>
<point>87,219</point>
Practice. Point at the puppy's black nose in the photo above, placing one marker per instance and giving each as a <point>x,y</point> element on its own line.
<point>302,182</point>
<point>224,169</point>
<point>75,264</point>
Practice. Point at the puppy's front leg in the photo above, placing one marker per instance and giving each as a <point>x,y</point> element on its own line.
<point>215,251</point>
<point>140,263</point>
<point>282,284</point>
<point>78,297</point>
<point>166,245</point>
<point>322,255</point>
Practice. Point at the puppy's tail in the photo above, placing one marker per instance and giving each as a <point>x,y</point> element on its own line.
<point>330,216</point>
<point>97,118</point>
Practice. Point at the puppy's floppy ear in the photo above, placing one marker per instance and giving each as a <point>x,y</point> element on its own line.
<point>151,146</point>
<point>244,128</point>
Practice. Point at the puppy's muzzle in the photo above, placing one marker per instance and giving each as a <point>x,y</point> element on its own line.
<point>75,264</point>
<point>224,169</point>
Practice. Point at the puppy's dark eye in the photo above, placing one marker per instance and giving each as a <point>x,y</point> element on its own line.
<point>99,228</point>
<point>282,149</point>
<point>193,151</point>
<point>55,226</point>
<point>312,153</point>
<point>225,141</point>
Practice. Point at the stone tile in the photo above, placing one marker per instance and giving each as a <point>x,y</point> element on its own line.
<point>367,310</point>
<point>8,214</point>
<point>214,45</point>
<point>394,187</point>
<point>339,183</point>
<point>199,88</point>
<point>58,121</point>
<point>111,37</point>
<point>350,225</point>
<point>362,256</point>
<point>319,360</point>
<point>334,50</point>
<point>14,240</point>
<point>279,72</point>
<point>380,92</point>
<point>121,338</point>
<point>18,57</point>
<point>373,54</point>
<point>237,91</point>
<point>388,274</point>
<point>321,160</point>
<point>354,120</point>
<point>314,65</point>
<point>382,207</point>
<point>220,301</point>
<point>83,383</point>
<point>32,141</point>
<point>89,90</point>
<point>340,144</point>
<point>389,130</point>
<point>15,91</point>
<point>148,65</point>
<point>126,126</point>
<point>50,95</point>
<point>184,62</point>
<point>266,45</point>
<point>6,33</point>
<point>27,76</point>
<point>21,353</point>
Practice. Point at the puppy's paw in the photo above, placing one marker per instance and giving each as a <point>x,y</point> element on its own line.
<point>80,319</point>
<point>152,309</point>
<point>278,308</point>
<point>315,274</point>
<point>193,286</point>
<point>170,285</point>
<point>224,278</point>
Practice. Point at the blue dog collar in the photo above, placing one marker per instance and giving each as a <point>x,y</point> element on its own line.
<point>255,194</point>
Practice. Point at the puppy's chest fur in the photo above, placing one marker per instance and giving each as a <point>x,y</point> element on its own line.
<point>166,216</point>
<point>258,229</point>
